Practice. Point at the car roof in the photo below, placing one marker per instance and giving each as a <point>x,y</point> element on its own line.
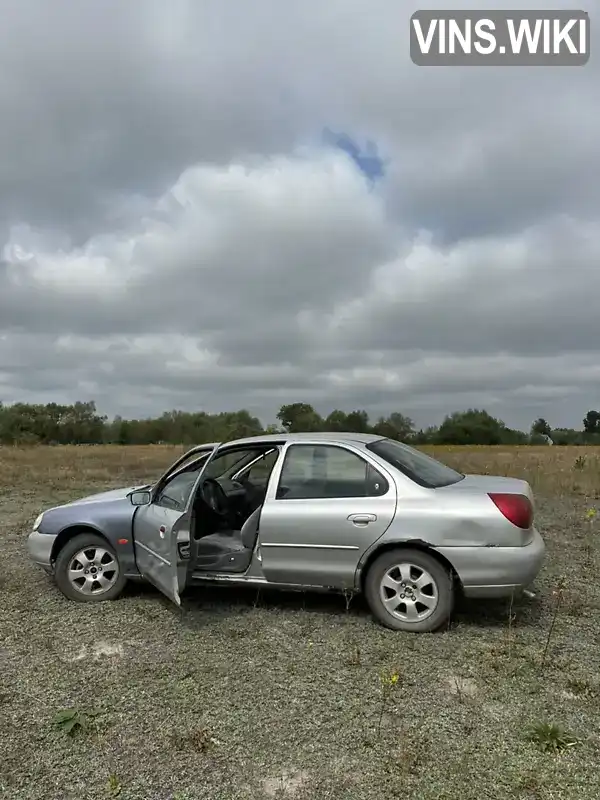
<point>329,436</point>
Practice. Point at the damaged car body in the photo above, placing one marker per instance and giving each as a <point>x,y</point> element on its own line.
<point>338,511</point>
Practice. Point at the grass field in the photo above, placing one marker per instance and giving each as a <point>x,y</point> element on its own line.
<point>256,696</point>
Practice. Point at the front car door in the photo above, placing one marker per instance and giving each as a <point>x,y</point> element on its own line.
<point>161,529</point>
<point>325,505</point>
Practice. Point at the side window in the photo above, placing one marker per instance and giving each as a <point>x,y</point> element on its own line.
<point>259,473</point>
<point>327,471</point>
<point>176,491</point>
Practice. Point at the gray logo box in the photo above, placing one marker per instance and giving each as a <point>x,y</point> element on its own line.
<point>500,38</point>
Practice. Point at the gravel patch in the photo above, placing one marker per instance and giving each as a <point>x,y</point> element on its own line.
<point>246,695</point>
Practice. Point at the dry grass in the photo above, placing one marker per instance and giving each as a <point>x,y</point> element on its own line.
<point>247,696</point>
<point>550,470</point>
<point>553,471</point>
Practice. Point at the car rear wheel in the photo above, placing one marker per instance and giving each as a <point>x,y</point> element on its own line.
<point>87,570</point>
<point>408,590</point>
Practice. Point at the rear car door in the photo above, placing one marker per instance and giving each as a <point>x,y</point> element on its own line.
<point>161,529</point>
<point>325,505</point>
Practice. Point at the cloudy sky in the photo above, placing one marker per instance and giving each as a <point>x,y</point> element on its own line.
<point>215,204</point>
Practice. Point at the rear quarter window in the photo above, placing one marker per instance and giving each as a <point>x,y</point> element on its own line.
<point>420,468</point>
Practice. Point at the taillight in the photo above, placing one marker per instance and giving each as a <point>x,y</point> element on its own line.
<point>516,508</point>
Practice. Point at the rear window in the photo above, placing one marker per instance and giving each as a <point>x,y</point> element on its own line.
<point>422,469</point>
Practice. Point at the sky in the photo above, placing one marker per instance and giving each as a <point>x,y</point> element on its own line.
<point>219,205</point>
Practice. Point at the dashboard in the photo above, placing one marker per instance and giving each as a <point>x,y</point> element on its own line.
<point>232,488</point>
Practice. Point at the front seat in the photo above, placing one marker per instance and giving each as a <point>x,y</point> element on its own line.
<point>249,532</point>
<point>229,551</point>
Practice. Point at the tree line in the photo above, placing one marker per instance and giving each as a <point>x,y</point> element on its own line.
<point>80,423</point>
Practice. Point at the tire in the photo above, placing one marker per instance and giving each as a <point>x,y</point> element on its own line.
<point>433,600</point>
<point>89,551</point>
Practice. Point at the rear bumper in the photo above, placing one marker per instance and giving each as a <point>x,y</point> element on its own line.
<point>39,547</point>
<point>496,571</point>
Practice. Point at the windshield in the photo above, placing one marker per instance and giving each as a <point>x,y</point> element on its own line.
<point>417,466</point>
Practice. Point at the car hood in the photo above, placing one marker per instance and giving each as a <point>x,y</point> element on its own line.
<point>105,497</point>
<point>474,484</point>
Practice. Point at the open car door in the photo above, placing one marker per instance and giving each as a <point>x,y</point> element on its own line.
<point>161,524</point>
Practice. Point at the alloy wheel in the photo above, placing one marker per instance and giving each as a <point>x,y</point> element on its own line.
<point>93,570</point>
<point>409,592</point>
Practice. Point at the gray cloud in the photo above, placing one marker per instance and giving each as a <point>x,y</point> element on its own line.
<point>176,233</point>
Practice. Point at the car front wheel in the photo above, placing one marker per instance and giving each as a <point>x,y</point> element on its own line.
<point>408,590</point>
<point>87,570</point>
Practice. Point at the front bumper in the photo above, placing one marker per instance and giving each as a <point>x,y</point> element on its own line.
<point>496,571</point>
<point>39,546</point>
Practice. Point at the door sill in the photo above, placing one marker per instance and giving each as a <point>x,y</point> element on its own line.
<point>225,577</point>
<point>232,577</point>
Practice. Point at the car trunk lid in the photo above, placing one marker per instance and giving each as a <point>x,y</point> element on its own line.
<point>490,484</point>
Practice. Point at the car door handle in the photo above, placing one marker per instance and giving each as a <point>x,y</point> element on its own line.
<point>362,519</point>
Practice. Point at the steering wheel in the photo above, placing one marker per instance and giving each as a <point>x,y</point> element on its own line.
<point>214,496</point>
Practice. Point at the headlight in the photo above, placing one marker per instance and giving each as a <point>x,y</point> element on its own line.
<point>38,522</point>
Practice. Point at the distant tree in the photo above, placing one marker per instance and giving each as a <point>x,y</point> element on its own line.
<point>383,427</point>
<point>541,428</point>
<point>80,423</point>
<point>336,421</point>
<point>429,435</point>
<point>591,422</point>
<point>237,425</point>
<point>473,426</point>
<point>358,422</point>
<point>299,417</point>
<point>123,431</point>
<point>354,421</point>
<point>511,436</point>
<point>396,426</point>
<point>567,436</point>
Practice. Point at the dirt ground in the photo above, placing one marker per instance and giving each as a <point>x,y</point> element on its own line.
<point>246,695</point>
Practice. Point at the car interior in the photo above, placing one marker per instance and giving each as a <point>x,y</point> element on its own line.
<point>226,511</point>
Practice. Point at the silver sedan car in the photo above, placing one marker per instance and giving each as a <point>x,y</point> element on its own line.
<point>347,512</point>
